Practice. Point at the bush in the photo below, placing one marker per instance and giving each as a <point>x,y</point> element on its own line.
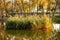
<point>19,25</point>
<point>29,22</point>
<point>27,25</point>
<point>11,24</point>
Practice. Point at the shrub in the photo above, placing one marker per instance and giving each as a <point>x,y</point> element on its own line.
<point>20,25</point>
<point>11,24</point>
<point>27,25</point>
<point>47,23</point>
<point>30,22</point>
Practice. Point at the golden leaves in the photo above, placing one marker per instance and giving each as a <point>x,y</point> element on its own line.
<point>26,5</point>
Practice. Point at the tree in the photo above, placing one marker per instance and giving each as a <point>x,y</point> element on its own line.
<point>21,5</point>
<point>58,3</point>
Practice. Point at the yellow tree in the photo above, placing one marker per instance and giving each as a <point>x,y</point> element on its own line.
<point>9,6</point>
<point>48,25</point>
<point>27,5</point>
<point>1,4</point>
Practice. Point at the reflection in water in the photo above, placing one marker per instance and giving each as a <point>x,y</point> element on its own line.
<point>27,34</point>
